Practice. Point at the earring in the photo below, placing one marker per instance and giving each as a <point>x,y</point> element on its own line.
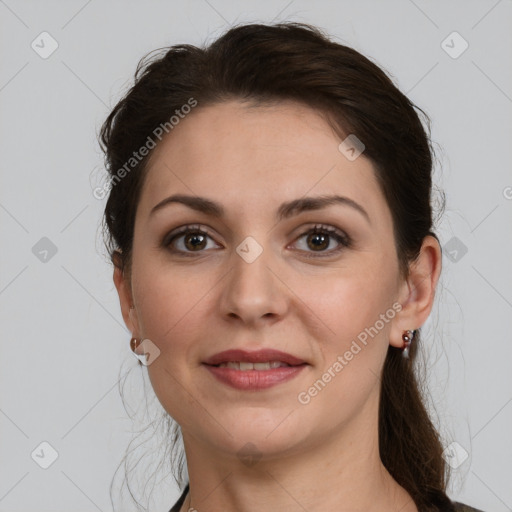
<point>407,337</point>
<point>134,344</point>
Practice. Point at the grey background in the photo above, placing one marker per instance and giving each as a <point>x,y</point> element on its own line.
<point>63,338</point>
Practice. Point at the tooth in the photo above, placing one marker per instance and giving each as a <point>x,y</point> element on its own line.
<point>244,365</point>
<point>263,366</point>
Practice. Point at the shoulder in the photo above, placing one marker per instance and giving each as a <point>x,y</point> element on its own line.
<point>460,507</point>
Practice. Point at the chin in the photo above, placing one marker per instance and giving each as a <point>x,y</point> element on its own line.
<point>265,433</point>
<point>250,449</point>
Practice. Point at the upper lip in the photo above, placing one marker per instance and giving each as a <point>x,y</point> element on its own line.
<point>258,356</point>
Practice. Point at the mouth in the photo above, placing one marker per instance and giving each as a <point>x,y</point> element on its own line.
<point>246,365</point>
<point>244,357</point>
<point>252,371</point>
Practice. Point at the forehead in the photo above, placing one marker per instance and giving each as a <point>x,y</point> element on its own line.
<point>257,156</point>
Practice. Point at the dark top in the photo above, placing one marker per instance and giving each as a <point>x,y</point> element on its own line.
<point>459,507</point>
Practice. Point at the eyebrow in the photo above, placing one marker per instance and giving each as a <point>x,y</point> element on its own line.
<point>286,210</point>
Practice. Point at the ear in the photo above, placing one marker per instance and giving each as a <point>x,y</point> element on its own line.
<point>123,286</point>
<point>417,293</point>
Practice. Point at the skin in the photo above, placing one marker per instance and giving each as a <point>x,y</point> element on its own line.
<point>322,455</point>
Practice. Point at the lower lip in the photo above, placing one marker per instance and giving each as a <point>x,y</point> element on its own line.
<point>254,380</point>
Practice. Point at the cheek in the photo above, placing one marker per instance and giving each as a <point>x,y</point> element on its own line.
<point>173,316</point>
<point>349,301</point>
<point>170,302</point>
<point>355,309</point>
<point>351,359</point>
<point>175,311</point>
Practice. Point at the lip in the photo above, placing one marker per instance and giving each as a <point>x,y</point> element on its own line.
<point>254,380</point>
<point>258,356</point>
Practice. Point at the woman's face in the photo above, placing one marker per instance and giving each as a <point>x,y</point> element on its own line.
<point>261,278</point>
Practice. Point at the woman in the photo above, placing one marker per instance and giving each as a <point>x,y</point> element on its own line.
<point>270,225</point>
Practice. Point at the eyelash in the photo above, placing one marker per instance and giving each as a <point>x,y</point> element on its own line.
<point>343,239</point>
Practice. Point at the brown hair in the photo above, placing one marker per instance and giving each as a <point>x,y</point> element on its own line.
<point>294,61</point>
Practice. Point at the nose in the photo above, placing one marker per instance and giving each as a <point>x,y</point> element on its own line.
<point>253,292</point>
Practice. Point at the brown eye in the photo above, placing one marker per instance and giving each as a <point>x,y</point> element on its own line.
<point>321,238</point>
<point>318,240</point>
<point>194,241</point>
<point>189,240</point>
